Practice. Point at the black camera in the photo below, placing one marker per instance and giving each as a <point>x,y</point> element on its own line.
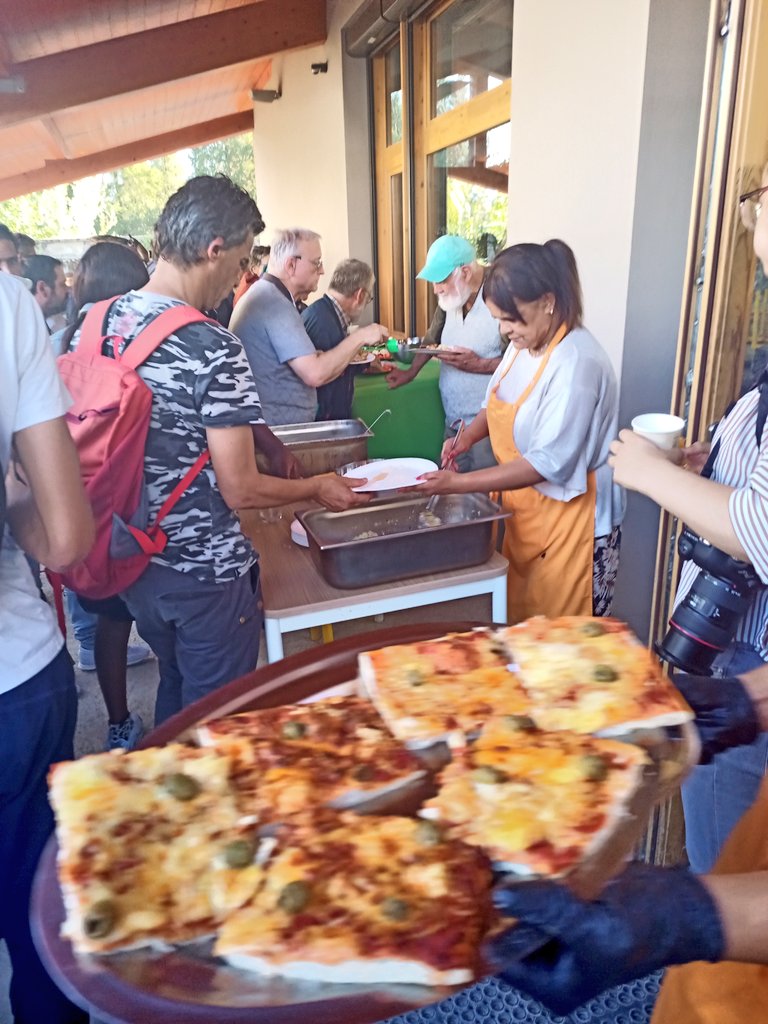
<point>704,622</point>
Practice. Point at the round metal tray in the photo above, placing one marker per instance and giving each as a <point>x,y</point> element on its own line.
<point>187,986</point>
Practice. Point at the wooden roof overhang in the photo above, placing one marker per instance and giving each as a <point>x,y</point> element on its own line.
<point>91,85</point>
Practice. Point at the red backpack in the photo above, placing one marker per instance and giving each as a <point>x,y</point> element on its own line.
<point>109,422</point>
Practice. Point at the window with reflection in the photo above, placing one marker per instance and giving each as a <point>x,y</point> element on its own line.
<point>471,48</point>
<point>468,190</point>
<point>394,89</point>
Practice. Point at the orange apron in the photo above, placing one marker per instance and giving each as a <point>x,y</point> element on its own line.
<point>726,993</point>
<point>548,543</point>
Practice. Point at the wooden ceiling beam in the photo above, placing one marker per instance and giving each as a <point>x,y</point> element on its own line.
<point>130,63</point>
<point>57,172</point>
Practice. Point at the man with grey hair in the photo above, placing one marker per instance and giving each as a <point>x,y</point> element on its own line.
<point>327,323</point>
<point>287,366</point>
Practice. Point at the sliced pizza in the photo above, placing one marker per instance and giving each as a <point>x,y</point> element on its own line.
<point>364,900</point>
<point>537,803</point>
<point>443,689</point>
<point>592,675</point>
<point>290,758</point>
<point>151,847</point>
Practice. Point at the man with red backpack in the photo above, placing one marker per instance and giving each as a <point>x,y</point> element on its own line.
<point>197,600</point>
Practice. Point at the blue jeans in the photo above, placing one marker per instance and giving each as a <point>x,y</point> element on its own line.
<point>83,622</point>
<point>716,795</point>
<point>204,634</point>
<point>37,723</point>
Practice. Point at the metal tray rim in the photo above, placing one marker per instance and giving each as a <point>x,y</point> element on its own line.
<point>308,514</point>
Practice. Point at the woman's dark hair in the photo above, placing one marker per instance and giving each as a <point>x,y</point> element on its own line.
<point>527,271</point>
<point>106,269</point>
<point>205,208</point>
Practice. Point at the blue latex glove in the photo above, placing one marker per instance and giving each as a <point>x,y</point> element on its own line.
<point>725,714</point>
<point>645,919</point>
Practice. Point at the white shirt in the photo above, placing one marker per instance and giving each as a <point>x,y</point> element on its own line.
<point>739,464</point>
<point>565,427</point>
<point>462,393</point>
<point>31,392</point>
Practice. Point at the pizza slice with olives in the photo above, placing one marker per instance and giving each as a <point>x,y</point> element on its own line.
<point>336,751</point>
<point>152,849</point>
<point>363,900</point>
<point>592,675</point>
<point>442,689</point>
<point>537,802</point>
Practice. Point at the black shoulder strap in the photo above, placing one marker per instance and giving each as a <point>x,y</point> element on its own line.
<point>762,415</point>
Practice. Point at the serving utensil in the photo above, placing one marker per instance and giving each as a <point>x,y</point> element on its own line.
<point>427,516</point>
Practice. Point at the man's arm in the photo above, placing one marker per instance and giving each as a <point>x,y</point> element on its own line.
<point>48,512</point>
<point>397,377</point>
<point>323,367</point>
<point>242,486</point>
<point>280,460</point>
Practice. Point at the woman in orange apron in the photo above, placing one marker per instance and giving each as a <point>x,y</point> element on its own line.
<point>551,413</point>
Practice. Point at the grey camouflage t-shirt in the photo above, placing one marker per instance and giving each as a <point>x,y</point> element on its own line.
<point>199,378</point>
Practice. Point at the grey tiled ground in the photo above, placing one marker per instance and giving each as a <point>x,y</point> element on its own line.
<point>142,684</point>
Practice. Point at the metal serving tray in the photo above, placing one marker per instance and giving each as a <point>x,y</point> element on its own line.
<point>380,543</point>
<point>323,447</point>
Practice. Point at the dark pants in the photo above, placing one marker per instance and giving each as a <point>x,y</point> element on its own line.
<point>37,724</point>
<point>204,634</point>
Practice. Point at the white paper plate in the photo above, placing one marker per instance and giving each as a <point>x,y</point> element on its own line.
<point>299,534</point>
<point>390,474</point>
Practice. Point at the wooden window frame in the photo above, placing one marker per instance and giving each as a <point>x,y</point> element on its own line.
<point>423,135</point>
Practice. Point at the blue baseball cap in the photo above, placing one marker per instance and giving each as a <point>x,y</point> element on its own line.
<point>446,254</point>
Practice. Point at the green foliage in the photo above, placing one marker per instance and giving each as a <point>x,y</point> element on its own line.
<point>126,201</point>
<point>232,156</point>
<point>41,214</point>
<point>133,197</point>
<point>473,211</point>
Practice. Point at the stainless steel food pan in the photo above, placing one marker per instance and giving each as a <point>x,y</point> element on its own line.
<point>380,543</point>
<point>323,447</point>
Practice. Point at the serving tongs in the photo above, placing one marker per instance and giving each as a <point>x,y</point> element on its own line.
<point>445,463</point>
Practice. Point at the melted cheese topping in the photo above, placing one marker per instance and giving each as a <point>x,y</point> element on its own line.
<point>371,890</point>
<point>545,806</point>
<point>156,859</point>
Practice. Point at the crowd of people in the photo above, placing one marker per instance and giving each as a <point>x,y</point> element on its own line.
<point>531,406</point>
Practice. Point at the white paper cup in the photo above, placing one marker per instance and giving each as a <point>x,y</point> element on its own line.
<point>660,427</point>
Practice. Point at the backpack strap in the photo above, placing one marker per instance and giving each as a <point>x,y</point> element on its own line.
<point>157,330</point>
<point>760,418</point>
<point>94,331</point>
<point>152,540</point>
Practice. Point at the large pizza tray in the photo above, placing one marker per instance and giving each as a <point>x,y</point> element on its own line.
<point>187,984</point>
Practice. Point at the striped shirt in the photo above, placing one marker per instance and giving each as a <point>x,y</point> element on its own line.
<point>739,464</point>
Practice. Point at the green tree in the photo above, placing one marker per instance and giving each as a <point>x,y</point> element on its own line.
<point>133,196</point>
<point>44,214</point>
<point>232,156</point>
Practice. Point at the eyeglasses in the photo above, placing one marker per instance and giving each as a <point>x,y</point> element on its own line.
<point>368,297</point>
<point>750,206</point>
<point>317,264</point>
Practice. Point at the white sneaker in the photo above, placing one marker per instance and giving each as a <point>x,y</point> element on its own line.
<point>125,735</point>
<point>86,661</point>
<point>137,653</point>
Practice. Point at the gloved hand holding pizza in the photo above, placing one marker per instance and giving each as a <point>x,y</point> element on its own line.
<point>647,918</point>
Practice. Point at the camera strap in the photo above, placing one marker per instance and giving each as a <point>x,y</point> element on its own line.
<point>762,415</point>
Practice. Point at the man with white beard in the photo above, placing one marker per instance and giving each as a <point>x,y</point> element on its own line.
<point>463,325</point>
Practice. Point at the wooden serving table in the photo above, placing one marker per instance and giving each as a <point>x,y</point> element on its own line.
<point>297,597</point>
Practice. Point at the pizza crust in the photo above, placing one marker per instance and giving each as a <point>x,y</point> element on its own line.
<point>378,971</point>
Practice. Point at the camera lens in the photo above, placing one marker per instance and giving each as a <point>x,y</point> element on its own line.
<point>704,622</point>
